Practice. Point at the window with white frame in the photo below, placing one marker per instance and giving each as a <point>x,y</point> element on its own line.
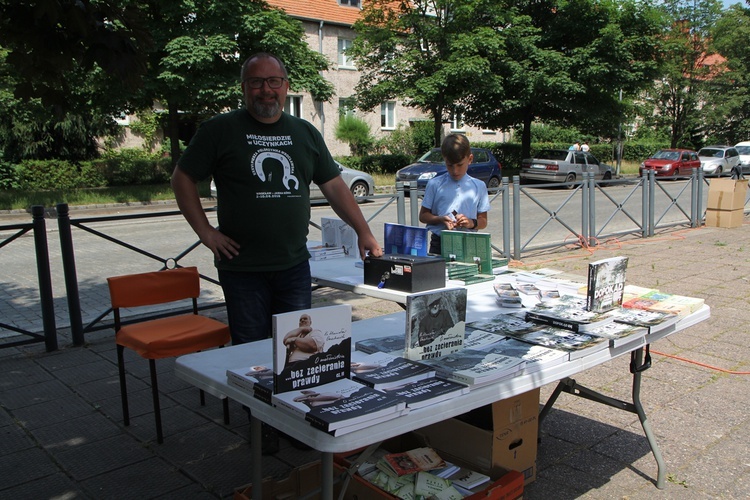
<point>350,3</point>
<point>388,115</point>
<point>293,105</point>
<point>344,60</point>
<point>457,120</point>
<point>346,106</point>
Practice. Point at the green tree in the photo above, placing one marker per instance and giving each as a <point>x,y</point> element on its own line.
<point>356,132</point>
<point>425,52</point>
<point>565,62</point>
<point>727,111</point>
<point>681,87</point>
<point>194,64</point>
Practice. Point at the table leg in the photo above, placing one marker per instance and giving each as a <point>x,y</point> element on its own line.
<point>256,453</point>
<point>570,386</point>
<point>326,470</point>
<point>661,468</point>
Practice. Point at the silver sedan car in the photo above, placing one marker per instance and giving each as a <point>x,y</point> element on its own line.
<point>718,160</point>
<point>360,183</point>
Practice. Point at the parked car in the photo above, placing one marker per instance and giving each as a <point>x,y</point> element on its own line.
<point>718,160</point>
<point>671,162</point>
<point>360,183</point>
<point>563,165</point>
<point>743,148</point>
<point>485,167</point>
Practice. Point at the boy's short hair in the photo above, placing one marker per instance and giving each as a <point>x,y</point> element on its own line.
<point>455,148</point>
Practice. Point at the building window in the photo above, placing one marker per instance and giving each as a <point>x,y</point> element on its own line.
<point>344,61</point>
<point>293,105</point>
<point>346,106</point>
<point>388,115</point>
<point>457,120</point>
<point>350,3</point>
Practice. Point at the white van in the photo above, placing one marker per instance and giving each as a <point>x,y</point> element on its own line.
<point>743,148</point>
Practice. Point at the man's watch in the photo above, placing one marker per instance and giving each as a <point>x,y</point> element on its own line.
<point>475,223</point>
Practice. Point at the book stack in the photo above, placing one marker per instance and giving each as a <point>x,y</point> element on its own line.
<point>392,344</point>
<point>474,249</point>
<point>325,252</point>
<point>255,379</point>
<point>475,367</point>
<point>381,370</point>
<point>568,312</point>
<point>427,392</point>
<point>340,407</point>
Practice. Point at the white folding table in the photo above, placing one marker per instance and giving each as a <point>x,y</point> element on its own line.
<point>207,371</point>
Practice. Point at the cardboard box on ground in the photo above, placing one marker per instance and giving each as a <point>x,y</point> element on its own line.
<point>726,203</point>
<point>510,444</point>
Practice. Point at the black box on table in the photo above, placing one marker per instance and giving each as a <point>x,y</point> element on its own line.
<point>405,273</point>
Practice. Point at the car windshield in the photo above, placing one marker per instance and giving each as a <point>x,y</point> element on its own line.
<point>715,153</point>
<point>551,154</point>
<point>666,155</point>
<point>433,156</point>
<point>743,150</point>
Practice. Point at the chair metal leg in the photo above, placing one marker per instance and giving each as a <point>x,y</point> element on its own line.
<point>157,407</point>
<point>123,386</point>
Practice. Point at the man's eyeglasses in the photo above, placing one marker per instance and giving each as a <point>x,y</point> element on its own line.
<point>274,82</point>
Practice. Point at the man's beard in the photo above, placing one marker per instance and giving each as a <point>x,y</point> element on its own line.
<point>266,110</point>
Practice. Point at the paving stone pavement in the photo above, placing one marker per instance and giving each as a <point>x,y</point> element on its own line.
<point>61,432</point>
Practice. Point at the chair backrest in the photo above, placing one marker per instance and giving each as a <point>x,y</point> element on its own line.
<point>159,287</point>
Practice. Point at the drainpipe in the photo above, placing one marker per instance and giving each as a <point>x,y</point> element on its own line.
<point>320,104</point>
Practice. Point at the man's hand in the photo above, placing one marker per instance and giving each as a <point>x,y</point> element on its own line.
<point>221,245</point>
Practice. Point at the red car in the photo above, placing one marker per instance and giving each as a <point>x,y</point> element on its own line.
<point>671,162</point>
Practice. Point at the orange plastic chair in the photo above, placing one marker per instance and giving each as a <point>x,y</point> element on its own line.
<point>164,337</point>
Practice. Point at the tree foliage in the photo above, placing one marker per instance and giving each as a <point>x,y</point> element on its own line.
<point>678,95</point>
<point>727,112</point>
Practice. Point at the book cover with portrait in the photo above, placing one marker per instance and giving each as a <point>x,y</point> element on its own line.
<point>435,323</point>
<point>311,347</point>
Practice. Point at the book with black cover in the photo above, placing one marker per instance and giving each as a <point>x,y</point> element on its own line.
<point>476,368</point>
<point>568,312</point>
<point>381,370</point>
<point>338,406</point>
<point>505,324</point>
<point>391,344</point>
<point>311,347</point>
<point>606,284</point>
<point>427,392</point>
<point>435,322</point>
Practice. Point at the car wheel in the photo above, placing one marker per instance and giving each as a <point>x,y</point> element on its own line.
<point>493,183</point>
<point>359,190</point>
<point>570,179</point>
<point>719,171</point>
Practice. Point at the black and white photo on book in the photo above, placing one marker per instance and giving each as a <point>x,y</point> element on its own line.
<point>427,391</point>
<point>435,323</point>
<point>257,379</point>
<point>392,344</point>
<point>311,347</point>
<point>569,312</point>
<point>537,357</point>
<point>476,368</point>
<point>575,344</point>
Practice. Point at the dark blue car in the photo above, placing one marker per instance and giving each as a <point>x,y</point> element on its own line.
<point>485,167</point>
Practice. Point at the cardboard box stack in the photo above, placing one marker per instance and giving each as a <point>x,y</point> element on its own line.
<point>726,203</point>
<point>510,445</point>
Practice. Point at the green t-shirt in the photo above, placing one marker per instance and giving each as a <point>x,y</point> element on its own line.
<point>262,174</point>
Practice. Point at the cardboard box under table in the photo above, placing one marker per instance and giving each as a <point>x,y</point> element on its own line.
<point>406,273</point>
<point>511,444</point>
<point>507,486</point>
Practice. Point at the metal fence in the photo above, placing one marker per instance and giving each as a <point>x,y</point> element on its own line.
<point>531,218</point>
